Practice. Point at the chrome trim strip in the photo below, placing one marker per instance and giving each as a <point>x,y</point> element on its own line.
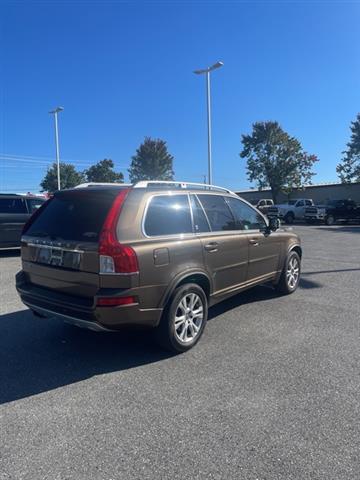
<point>172,183</point>
<point>49,247</point>
<point>248,283</point>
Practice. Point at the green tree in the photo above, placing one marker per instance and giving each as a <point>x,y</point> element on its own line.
<point>275,159</point>
<point>349,168</point>
<point>152,161</point>
<point>103,171</point>
<point>69,177</point>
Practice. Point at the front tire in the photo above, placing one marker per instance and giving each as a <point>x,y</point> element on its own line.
<point>290,276</point>
<point>330,220</point>
<point>184,319</point>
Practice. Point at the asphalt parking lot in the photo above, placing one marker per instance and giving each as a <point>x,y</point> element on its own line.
<point>271,391</point>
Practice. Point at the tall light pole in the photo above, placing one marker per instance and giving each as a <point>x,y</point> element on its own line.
<point>55,113</point>
<point>208,101</point>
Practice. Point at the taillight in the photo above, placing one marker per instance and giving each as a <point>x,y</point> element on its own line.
<point>115,257</point>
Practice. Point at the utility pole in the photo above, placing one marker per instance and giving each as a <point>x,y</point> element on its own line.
<point>55,113</point>
<point>208,103</point>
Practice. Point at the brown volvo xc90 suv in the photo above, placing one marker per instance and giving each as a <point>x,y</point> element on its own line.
<point>156,254</point>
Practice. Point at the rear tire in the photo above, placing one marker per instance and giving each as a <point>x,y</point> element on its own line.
<point>290,276</point>
<point>184,319</point>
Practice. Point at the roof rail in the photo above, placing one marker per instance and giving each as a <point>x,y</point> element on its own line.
<point>185,185</point>
<point>95,184</point>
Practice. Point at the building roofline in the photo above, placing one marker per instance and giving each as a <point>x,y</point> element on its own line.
<point>313,185</point>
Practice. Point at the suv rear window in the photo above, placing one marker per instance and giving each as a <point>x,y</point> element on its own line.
<point>168,215</point>
<point>77,216</point>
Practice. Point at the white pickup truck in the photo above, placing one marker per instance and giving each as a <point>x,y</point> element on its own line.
<point>290,211</point>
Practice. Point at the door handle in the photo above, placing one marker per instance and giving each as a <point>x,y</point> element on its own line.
<point>254,242</point>
<point>211,247</point>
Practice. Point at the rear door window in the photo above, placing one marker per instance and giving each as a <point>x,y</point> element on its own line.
<point>168,215</point>
<point>217,212</point>
<point>12,205</point>
<point>77,216</point>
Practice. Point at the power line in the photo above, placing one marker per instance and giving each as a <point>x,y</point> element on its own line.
<point>49,160</point>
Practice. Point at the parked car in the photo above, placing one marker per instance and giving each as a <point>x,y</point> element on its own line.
<point>156,254</point>
<point>290,211</point>
<point>263,204</point>
<point>15,211</point>
<point>336,210</point>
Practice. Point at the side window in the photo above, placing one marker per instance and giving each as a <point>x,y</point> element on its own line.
<point>34,204</point>
<point>168,215</point>
<point>218,212</point>
<point>12,205</point>
<point>308,203</point>
<point>300,203</point>
<point>246,217</point>
<point>200,222</point>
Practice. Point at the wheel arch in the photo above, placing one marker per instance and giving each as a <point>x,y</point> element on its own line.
<point>198,277</point>
<point>297,249</point>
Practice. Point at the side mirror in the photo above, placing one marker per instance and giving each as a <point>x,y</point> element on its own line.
<point>274,224</point>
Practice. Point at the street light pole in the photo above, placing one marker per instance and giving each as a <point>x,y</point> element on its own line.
<point>208,102</point>
<point>55,113</point>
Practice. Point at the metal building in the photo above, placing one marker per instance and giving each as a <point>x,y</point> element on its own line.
<point>320,193</point>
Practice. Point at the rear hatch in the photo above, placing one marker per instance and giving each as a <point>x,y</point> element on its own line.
<point>61,242</point>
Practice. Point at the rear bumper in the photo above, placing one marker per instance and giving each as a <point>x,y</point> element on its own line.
<point>83,312</point>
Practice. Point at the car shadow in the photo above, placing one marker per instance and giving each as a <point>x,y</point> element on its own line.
<point>38,355</point>
<point>260,293</point>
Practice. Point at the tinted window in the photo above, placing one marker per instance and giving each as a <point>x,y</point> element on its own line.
<point>218,212</point>
<point>308,203</point>
<point>12,205</point>
<point>73,216</point>
<point>300,203</point>
<point>200,222</point>
<point>168,215</point>
<point>34,204</point>
<point>246,217</point>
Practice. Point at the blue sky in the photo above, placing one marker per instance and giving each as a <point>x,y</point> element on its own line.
<point>123,71</point>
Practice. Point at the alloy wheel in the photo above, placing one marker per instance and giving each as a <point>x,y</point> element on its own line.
<point>188,317</point>
<point>292,272</point>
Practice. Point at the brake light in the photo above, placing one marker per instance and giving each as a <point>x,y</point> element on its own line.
<point>114,301</point>
<point>115,257</point>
